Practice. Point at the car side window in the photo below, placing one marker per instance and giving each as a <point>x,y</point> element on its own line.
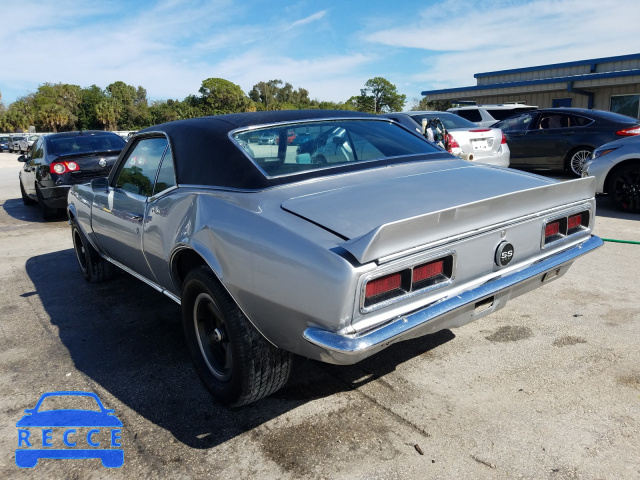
<point>471,115</point>
<point>166,174</point>
<point>138,173</point>
<point>37,152</point>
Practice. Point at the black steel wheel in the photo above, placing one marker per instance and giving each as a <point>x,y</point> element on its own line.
<point>624,187</point>
<point>234,361</point>
<point>93,267</point>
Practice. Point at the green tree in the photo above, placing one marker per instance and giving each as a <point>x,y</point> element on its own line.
<point>380,96</point>
<point>53,116</point>
<point>87,116</point>
<point>218,96</point>
<point>437,105</point>
<point>108,112</point>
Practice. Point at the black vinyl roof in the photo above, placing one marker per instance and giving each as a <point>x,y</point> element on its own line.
<point>205,155</point>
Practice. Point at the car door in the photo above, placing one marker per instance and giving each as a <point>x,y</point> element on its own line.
<point>118,214</point>
<point>516,130</point>
<point>34,160</point>
<point>549,140</point>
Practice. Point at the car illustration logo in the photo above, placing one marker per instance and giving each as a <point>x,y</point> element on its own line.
<point>69,433</point>
<point>504,254</point>
<point>102,162</point>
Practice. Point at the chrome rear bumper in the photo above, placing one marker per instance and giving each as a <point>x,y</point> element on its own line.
<point>448,313</point>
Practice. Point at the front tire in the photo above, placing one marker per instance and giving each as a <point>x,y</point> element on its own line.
<point>576,160</point>
<point>93,267</point>
<point>234,361</point>
<point>624,188</point>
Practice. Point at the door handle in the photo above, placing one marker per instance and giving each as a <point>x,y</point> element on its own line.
<point>137,217</point>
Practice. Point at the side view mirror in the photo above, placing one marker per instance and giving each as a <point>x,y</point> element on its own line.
<point>22,158</point>
<point>100,184</point>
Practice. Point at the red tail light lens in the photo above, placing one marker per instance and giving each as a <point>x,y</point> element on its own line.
<point>429,270</point>
<point>480,130</point>
<point>552,229</point>
<point>504,139</point>
<point>451,142</point>
<point>63,167</point>
<point>629,132</point>
<point>575,221</point>
<point>383,285</point>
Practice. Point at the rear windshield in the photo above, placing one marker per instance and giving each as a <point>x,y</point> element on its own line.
<point>449,120</point>
<point>287,149</point>
<point>79,144</point>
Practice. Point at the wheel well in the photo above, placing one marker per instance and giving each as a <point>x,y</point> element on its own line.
<point>185,261</point>
<point>614,170</point>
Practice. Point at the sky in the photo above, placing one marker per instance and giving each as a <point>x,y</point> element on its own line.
<point>330,48</point>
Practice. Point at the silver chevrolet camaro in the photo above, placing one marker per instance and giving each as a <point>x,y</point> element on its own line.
<point>361,235</point>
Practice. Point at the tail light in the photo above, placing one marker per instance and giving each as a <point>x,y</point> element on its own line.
<point>629,132</point>
<point>480,130</point>
<point>63,167</point>
<point>504,139</point>
<point>407,280</point>
<point>451,142</point>
<point>560,228</point>
<point>383,285</point>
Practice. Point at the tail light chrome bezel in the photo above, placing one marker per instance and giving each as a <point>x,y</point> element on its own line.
<point>565,232</point>
<point>408,288</point>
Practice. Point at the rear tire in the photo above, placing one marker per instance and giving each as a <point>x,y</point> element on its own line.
<point>234,361</point>
<point>576,159</point>
<point>624,187</point>
<point>93,267</point>
<point>48,213</point>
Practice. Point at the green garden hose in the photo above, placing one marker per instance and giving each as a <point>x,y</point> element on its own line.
<point>620,241</point>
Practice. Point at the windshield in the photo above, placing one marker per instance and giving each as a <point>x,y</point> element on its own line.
<point>292,148</point>
<point>449,120</point>
<point>79,144</point>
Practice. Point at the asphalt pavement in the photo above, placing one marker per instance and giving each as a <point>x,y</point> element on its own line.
<point>546,388</point>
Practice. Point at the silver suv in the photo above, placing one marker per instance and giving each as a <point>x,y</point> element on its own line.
<point>487,115</point>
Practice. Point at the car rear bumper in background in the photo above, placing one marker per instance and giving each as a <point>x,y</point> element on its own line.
<point>448,313</point>
<point>55,197</point>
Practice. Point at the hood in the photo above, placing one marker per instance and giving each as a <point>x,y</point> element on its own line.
<point>390,215</point>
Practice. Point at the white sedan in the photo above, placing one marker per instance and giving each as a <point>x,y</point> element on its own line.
<point>460,137</point>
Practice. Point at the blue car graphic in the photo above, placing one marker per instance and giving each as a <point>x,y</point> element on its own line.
<point>69,418</point>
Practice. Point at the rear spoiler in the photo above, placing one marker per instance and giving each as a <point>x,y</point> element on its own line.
<point>395,237</point>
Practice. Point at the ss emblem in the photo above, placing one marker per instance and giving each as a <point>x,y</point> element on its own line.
<point>504,254</point>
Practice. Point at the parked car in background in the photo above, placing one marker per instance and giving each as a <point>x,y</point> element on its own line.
<point>487,115</point>
<point>4,143</point>
<point>275,253</point>
<point>562,138</point>
<point>616,166</point>
<point>26,143</point>
<point>465,139</point>
<point>14,143</point>
<point>59,160</point>
<point>268,138</point>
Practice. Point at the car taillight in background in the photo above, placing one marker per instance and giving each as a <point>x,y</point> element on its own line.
<point>451,142</point>
<point>412,279</point>
<point>560,228</point>
<point>629,132</point>
<point>63,167</point>
<point>504,139</point>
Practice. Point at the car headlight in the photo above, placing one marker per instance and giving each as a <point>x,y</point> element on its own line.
<point>599,153</point>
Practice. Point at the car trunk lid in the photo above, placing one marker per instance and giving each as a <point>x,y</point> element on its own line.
<point>388,216</point>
